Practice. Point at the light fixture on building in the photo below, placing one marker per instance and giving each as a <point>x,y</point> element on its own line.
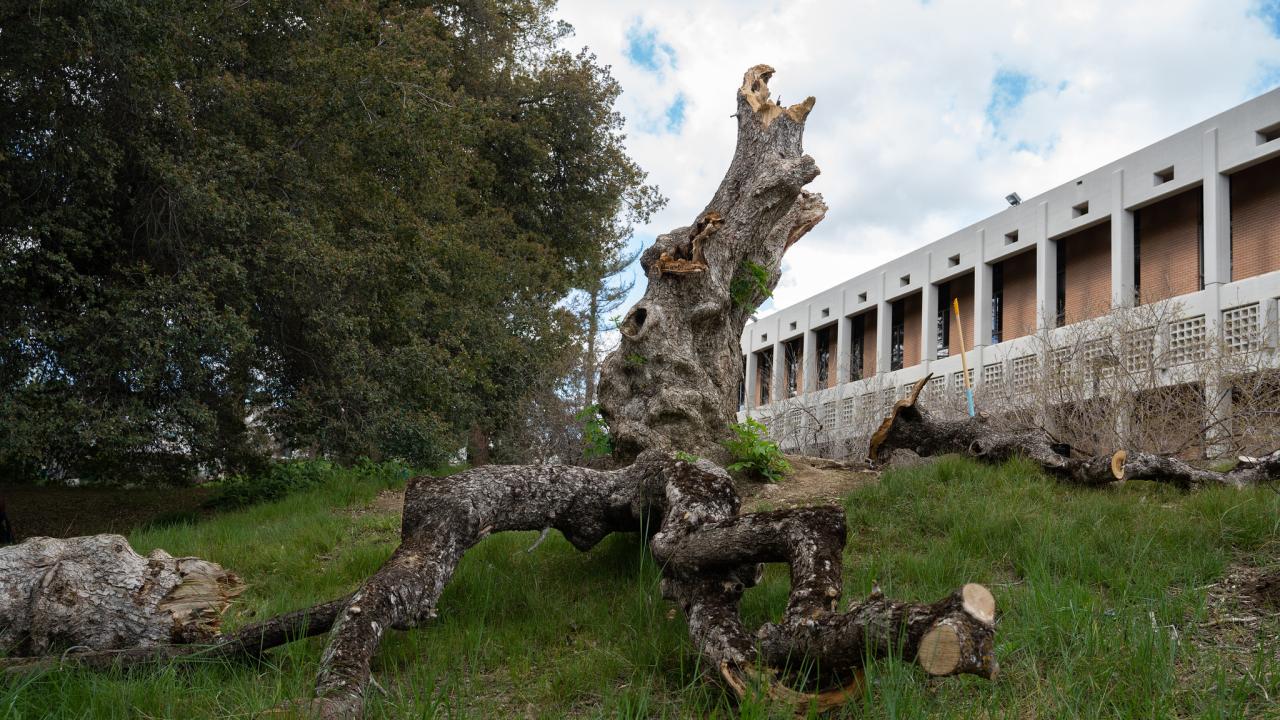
<point>1013,198</point>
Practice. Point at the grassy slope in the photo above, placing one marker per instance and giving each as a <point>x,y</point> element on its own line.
<point>1089,584</point>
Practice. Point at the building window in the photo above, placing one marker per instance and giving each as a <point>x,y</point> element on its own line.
<point>944,325</point>
<point>857,347</point>
<point>897,334</point>
<point>997,303</point>
<point>822,346</point>
<point>1137,258</point>
<point>764,375</point>
<point>742,386</point>
<point>793,356</point>
<point>1060,315</point>
<point>1161,177</point>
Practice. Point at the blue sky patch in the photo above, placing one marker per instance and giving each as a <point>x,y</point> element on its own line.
<point>675,114</point>
<point>646,51</point>
<point>1008,89</point>
<point>1269,12</point>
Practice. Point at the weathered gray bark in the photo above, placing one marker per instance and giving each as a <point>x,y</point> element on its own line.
<point>909,427</point>
<point>96,592</point>
<point>670,386</point>
<point>672,382</point>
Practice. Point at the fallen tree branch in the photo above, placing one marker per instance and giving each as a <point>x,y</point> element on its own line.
<point>909,427</point>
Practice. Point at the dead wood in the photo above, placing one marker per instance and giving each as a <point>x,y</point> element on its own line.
<point>704,282</point>
<point>909,427</point>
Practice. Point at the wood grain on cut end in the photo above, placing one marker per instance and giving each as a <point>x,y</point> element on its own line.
<point>979,602</point>
<point>1117,464</point>
<point>939,652</point>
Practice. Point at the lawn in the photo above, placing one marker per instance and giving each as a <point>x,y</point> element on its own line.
<point>1112,604</point>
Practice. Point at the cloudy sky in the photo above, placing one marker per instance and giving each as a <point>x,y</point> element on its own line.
<point>928,113</point>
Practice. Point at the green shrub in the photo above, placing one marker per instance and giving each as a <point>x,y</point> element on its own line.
<point>751,281</point>
<point>285,477</point>
<point>753,452</point>
<point>595,432</point>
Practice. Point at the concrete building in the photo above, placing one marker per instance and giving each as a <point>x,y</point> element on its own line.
<point>1192,222</point>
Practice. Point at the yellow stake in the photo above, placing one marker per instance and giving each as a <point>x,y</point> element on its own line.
<point>964,361</point>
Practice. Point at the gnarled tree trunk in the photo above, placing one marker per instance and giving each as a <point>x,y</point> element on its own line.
<point>669,386</point>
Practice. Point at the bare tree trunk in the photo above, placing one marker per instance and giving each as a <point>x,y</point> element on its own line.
<point>672,382</point>
<point>590,366</point>
<point>704,281</point>
<point>909,427</point>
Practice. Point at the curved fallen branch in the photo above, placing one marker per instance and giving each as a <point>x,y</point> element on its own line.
<point>909,427</point>
<point>704,282</point>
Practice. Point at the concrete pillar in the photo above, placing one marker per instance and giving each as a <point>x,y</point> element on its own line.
<point>779,384</point>
<point>1122,250</point>
<point>844,348</point>
<point>981,298</point>
<point>809,364</point>
<point>753,383</point>
<point>1217,216</point>
<point>1217,408</point>
<point>928,315</point>
<point>1046,271</point>
<point>884,327</point>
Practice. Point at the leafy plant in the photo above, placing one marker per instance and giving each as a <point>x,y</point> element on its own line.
<point>595,432</point>
<point>752,280</point>
<point>636,359</point>
<point>686,457</point>
<point>285,477</point>
<point>753,452</point>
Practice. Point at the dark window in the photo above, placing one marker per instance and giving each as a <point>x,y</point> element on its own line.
<point>764,375</point>
<point>1137,258</point>
<point>944,327</point>
<point>823,347</point>
<point>897,334</point>
<point>1061,274</point>
<point>857,347</point>
<point>997,303</point>
<point>1200,243</point>
<point>793,353</point>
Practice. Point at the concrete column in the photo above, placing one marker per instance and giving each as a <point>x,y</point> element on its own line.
<point>1122,250</point>
<point>928,315</point>
<point>981,298</point>
<point>844,348</point>
<point>1046,271</point>
<point>1217,408</point>
<point>753,384</point>
<point>1217,216</point>
<point>779,385</point>
<point>884,325</point>
<point>808,364</point>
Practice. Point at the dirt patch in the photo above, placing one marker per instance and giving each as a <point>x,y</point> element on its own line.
<point>387,502</point>
<point>812,481</point>
<point>70,512</point>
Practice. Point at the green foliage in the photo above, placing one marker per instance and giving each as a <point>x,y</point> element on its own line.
<point>686,457</point>
<point>285,477</point>
<point>596,441</point>
<point>636,360</point>
<point>750,286</point>
<point>753,452</point>
<point>348,225</point>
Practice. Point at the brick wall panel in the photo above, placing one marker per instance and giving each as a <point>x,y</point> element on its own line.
<point>1255,220</point>
<point>911,331</point>
<point>961,289</point>
<point>1019,295</point>
<point>1088,278</point>
<point>869,345</point>
<point>1168,238</point>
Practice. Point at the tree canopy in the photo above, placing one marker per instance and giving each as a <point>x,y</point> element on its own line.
<point>339,227</point>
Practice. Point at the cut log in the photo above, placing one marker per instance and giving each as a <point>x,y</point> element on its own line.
<point>95,592</point>
<point>704,282</point>
<point>909,427</point>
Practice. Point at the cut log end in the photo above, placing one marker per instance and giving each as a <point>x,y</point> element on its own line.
<point>1117,464</point>
<point>755,90</point>
<point>979,602</point>
<point>940,651</point>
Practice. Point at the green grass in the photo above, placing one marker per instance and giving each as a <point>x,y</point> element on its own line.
<point>1091,586</point>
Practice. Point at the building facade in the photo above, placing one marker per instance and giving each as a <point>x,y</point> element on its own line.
<point>1191,222</point>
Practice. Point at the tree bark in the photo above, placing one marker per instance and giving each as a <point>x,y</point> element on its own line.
<point>670,386</point>
<point>96,592</point>
<point>909,427</point>
<point>672,382</point>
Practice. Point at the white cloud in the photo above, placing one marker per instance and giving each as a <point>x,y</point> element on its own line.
<point>900,130</point>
